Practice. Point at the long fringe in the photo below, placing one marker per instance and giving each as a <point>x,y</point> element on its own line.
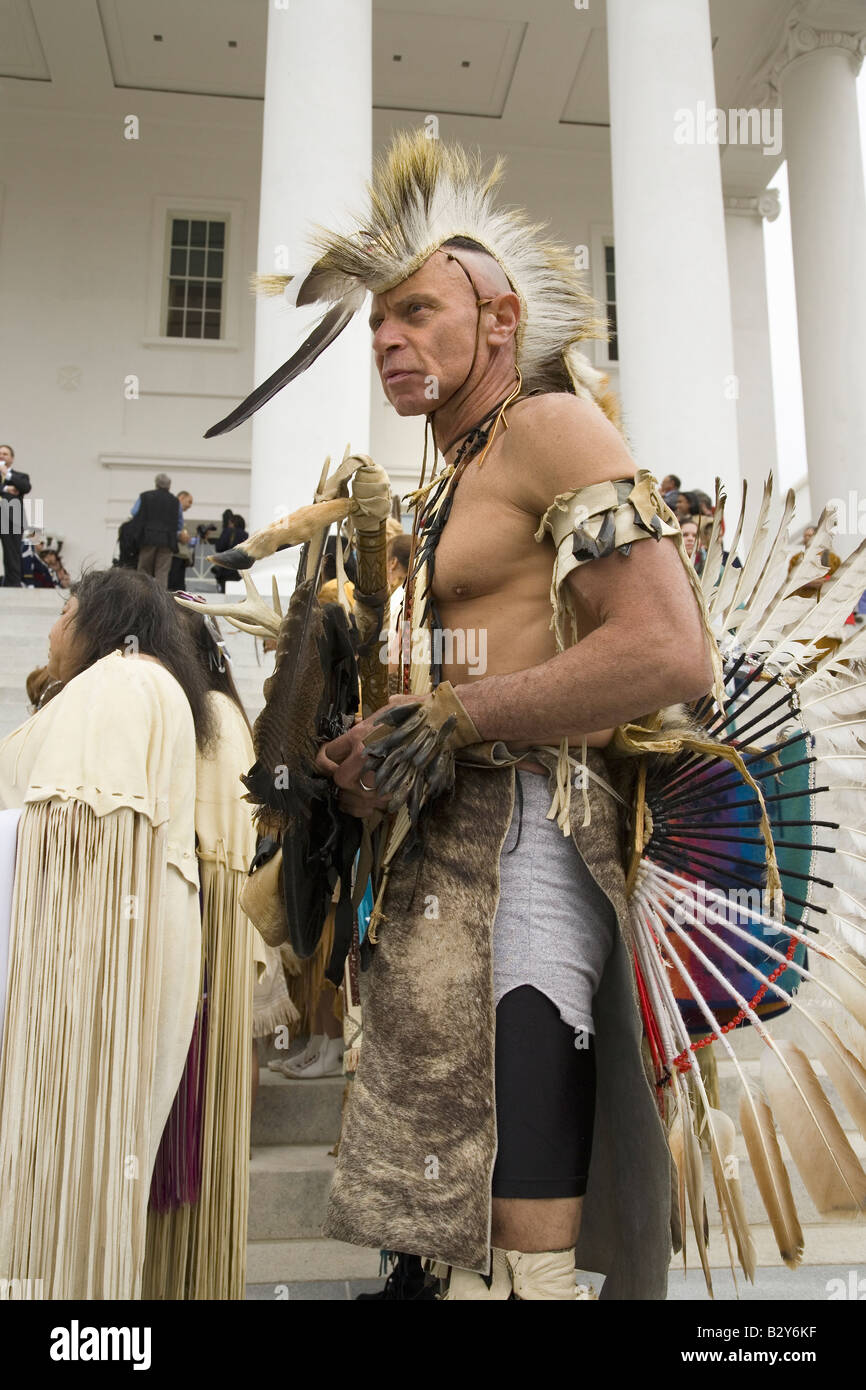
<point>198,1250</point>
<point>76,1085</point>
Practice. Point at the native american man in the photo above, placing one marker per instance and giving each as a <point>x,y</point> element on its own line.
<point>642,646</point>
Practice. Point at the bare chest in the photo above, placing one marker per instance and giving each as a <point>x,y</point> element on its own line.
<point>487,544</point>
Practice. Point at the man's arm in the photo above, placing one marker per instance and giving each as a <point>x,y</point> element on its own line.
<point>647,648</point>
<point>647,651</point>
<point>20,481</point>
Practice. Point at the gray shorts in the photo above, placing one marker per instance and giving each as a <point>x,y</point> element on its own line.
<point>554,927</point>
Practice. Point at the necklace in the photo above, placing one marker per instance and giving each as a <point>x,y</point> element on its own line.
<point>430,520</point>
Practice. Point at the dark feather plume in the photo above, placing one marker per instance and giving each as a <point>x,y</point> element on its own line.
<point>329,327</point>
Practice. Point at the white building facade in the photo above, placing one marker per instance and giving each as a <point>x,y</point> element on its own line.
<point>154,155</point>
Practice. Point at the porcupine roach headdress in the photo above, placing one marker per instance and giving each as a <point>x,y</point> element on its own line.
<point>423,194</point>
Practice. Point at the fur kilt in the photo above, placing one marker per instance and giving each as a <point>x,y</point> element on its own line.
<point>419,1136</point>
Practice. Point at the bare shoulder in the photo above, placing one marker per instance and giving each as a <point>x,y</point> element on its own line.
<point>558,443</point>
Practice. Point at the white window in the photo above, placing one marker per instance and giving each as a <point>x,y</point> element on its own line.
<point>195,277</point>
<point>610,301</point>
<point>196,274</point>
<point>603,268</point>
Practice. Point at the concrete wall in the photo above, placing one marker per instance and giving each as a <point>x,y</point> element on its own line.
<point>75,262</point>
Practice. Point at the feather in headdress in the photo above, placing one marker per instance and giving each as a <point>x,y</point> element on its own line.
<point>423,194</point>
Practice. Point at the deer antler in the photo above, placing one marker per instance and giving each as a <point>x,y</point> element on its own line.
<point>252,614</point>
<point>332,503</point>
<point>294,529</point>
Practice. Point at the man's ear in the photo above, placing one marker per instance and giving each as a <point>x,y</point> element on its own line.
<point>504,313</point>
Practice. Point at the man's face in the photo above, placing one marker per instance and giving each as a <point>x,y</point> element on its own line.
<point>185,500</point>
<point>668,484</point>
<point>424,336</point>
<point>6,457</point>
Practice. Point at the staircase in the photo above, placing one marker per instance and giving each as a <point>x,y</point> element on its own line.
<point>828,1240</point>
<point>295,1124</point>
<point>26,618</point>
<point>28,615</point>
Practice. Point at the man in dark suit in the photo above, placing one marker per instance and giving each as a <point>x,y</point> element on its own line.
<point>14,486</point>
<point>158,518</point>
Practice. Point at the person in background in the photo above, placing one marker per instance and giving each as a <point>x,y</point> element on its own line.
<point>670,483</point>
<point>328,574</point>
<point>127,544</point>
<point>693,549</point>
<point>35,573</point>
<point>234,531</point>
<point>704,502</point>
<point>159,518</point>
<point>197,1218</point>
<point>50,558</point>
<point>828,558</point>
<point>105,946</point>
<point>398,567</point>
<point>684,506</point>
<point>14,486</point>
<point>41,687</point>
<point>184,556</point>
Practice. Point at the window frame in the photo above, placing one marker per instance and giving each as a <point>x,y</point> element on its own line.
<point>165,210</point>
<point>601,237</point>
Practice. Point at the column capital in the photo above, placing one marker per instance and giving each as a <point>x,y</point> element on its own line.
<point>759,205</point>
<point>800,38</point>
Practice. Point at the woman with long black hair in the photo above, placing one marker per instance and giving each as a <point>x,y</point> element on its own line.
<point>105,937</point>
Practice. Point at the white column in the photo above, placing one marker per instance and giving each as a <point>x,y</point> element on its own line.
<point>747,272</point>
<point>815,75</point>
<point>677,374</point>
<point>316,160</point>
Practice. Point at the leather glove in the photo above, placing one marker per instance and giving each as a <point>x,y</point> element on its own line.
<point>411,748</point>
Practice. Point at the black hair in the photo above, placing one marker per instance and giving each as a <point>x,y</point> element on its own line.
<point>118,604</point>
<point>398,549</point>
<point>201,631</point>
<point>237,520</point>
<point>329,561</point>
<point>464,243</point>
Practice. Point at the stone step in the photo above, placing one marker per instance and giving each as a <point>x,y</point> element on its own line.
<point>281,1262</point>
<point>288,1191</point>
<point>13,695</point>
<point>297,1112</point>
<point>837,1242</point>
<point>18,623</point>
<point>731,1090</point>
<point>754,1206</point>
<point>30,600</point>
<point>302,1261</point>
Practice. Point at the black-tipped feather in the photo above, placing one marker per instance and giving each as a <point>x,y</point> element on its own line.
<point>329,327</point>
